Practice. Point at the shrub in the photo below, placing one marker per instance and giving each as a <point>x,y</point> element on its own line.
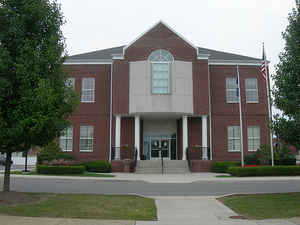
<point>52,152</point>
<point>62,162</point>
<point>98,166</point>
<point>263,153</point>
<point>221,167</point>
<point>264,171</point>
<point>43,169</point>
<point>251,159</point>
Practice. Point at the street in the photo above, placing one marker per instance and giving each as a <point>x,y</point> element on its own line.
<point>199,188</point>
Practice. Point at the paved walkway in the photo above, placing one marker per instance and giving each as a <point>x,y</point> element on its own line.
<point>202,211</point>
<point>171,211</point>
<point>166,178</point>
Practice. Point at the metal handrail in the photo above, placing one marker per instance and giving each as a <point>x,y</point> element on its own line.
<point>135,158</point>
<point>162,162</point>
<point>188,158</point>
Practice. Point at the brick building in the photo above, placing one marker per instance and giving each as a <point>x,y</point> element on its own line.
<point>162,95</point>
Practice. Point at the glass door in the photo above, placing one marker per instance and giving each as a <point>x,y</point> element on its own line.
<point>160,147</point>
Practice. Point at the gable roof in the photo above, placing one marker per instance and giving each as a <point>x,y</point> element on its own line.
<point>155,25</point>
<point>105,56</point>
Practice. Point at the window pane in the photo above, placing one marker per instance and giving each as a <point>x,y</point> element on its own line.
<point>86,138</point>
<point>251,90</point>
<point>160,78</point>
<point>161,55</point>
<point>234,143</point>
<point>88,90</point>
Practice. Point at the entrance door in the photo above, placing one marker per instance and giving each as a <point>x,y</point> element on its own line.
<point>160,147</point>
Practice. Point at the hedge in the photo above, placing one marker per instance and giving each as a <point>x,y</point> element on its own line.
<point>43,169</point>
<point>98,166</point>
<point>264,171</point>
<point>221,167</point>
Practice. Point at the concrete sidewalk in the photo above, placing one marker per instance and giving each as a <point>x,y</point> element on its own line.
<point>165,178</point>
<point>202,211</point>
<point>15,220</point>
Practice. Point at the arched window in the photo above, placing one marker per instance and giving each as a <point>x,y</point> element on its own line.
<point>160,62</point>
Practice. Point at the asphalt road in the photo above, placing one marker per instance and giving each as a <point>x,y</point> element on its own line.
<point>201,188</point>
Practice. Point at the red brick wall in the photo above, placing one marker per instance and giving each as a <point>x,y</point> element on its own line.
<point>194,131</point>
<point>200,87</point>
<point>227,114</point>
<point>179,139</point>
<point>94,114</point>
<point>160,37</point>
<point>127,132</point>
<point>200,165</point>
<point>120,87</point>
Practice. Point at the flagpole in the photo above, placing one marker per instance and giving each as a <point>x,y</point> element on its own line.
<point>241,120</point>
<point>269,104</point>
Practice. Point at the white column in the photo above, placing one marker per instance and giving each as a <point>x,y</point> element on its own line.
<point>204,137</point>
<point>118,137</point>
<point>184,136</point>
<point>137,135</point>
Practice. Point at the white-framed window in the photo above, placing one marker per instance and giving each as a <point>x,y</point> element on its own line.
<point>70,82</point>
<point>253,138</point>
<point>66,140</point>
<point>88,90</point>
<point>234,139</point>
<point>251,90</point>
<point>231,90</point>
<point>86,138</point>
<point>160,63</point>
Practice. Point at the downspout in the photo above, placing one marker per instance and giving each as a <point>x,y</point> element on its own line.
<point>210,118</point>
<point>110,109</point>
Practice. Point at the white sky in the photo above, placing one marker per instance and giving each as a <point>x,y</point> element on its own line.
<point>236,26</point>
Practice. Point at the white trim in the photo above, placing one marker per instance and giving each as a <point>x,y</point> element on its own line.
<point>110,111</point>
<point>184,136</point>
<point>203,56</point>
<point>137,135</point>
<point>117,56</point>
<point>118,137</point>
<point>87,63</point>
<point>132,42</point>
<point>232,63</point>
<point>204,137</point>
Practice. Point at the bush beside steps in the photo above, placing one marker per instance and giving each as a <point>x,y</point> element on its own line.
<point>221,167</point>
<point>98,166</point>
<point>45,169</point>
<point>264,171</point>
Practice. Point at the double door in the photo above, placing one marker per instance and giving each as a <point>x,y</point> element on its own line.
<point>160,147</point>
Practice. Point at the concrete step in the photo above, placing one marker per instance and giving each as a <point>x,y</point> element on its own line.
<point>155,167</point>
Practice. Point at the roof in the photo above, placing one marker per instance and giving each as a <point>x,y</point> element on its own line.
<point>105,55</point>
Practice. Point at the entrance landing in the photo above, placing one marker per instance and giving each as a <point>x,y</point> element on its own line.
<point>156,167</point>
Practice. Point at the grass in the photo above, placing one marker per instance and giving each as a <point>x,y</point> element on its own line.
<point>88,206</point>
<point>264,206</point>
<point>85,174</point>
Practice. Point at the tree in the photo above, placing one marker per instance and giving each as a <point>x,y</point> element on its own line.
<point>287,84</point>
<point>34,100</point>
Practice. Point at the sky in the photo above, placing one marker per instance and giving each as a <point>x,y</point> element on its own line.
<point>236,26</point>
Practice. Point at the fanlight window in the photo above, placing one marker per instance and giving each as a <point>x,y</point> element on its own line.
<point>161,55</point>
<point>160,60</point>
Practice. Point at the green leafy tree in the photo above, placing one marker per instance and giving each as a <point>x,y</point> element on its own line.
<point>287,85</point>
<point>34,100</point>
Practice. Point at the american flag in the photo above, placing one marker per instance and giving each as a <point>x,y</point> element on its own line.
<point>263,66</point>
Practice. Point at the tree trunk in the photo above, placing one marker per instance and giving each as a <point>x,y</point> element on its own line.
<point>6,184</point>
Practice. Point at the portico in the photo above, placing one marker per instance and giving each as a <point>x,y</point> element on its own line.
<point>164,135</point>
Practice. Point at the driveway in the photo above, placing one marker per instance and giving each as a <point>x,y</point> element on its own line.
<point>208,187</point>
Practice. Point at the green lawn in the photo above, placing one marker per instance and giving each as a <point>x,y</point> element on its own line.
<point>85,174</point>
<point>91,206</point>
<point>265,206</point>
